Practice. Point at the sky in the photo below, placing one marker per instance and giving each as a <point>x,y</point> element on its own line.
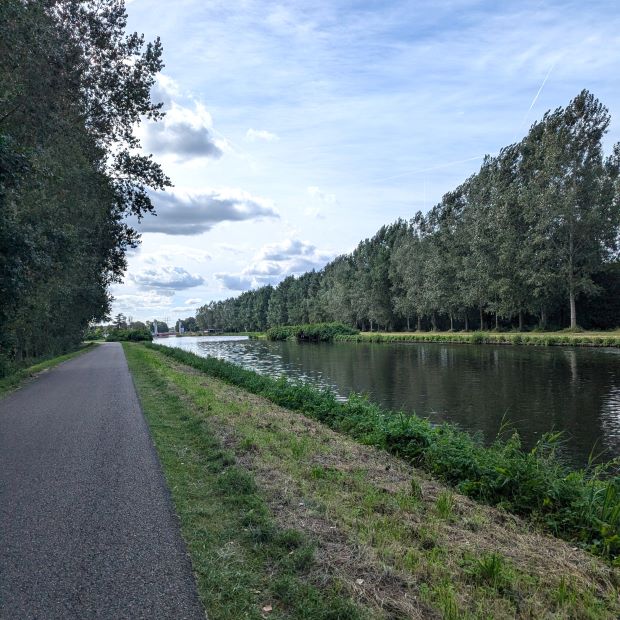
<point>296,129</point>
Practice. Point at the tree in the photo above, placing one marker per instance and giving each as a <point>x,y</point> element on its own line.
<point>578,217</point>
<point>120,321</point>
<point>73,87</point>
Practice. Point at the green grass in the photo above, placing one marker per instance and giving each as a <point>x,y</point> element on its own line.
<point>243,561</point>
<point>563,338</point>
<point>277,509</point>
<point>14,380</point>
<point>582,506</point>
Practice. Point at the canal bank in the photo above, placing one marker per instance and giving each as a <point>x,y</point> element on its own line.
<point>534,390</point>
<point>536,339</point>
<point>364,530</point>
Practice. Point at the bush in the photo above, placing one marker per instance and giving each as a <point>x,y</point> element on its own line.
<point>315,332</point>
<point>581,506</point>
<point>130,335</point>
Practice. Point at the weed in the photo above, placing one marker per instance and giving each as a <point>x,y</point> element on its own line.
<point>445,504</point>
<point>445,599</point>
<point>416,489</point>
<point>491,569</point>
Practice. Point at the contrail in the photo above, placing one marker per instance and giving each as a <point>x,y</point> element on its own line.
<point>536,96</point>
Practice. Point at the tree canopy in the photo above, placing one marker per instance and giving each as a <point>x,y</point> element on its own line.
<point>532,237</point>
<point>73,87</point>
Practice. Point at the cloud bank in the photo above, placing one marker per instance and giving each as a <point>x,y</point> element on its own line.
<point>274,262</point>
<point>172,278</point>
<point>182,212</point>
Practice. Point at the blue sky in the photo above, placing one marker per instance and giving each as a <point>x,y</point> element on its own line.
<point>296,129</point>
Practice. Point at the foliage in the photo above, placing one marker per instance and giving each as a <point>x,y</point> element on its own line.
<point>581,506</point>
<point>534,339</point>
<point>73,87</point>
<point>317,332</point>
<point>129,335</point>
<point>532,237</point>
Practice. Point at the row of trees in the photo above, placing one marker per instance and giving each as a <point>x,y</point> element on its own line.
<point>530,238</point>
<point>73,87</point>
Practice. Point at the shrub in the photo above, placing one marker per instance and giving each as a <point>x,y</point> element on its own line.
<point>130,335</point>
<point>315,332</point>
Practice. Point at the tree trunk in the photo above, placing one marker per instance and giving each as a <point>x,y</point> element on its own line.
<point>408,326</point>
<point>466,322</point>
<point>371,325</point>
<point>496,322</point>
<point>419,323</point>
<point>481,319</point>
<point>451,323</point>
<point>543,318</point>
<point>434,322</point>
<point>520,320</point>
<point>571,283</point>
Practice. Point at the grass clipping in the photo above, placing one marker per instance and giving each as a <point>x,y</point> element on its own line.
<point>367,535</point>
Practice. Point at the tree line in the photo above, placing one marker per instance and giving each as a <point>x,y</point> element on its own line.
<point>530,240</point>
<point>73,86</point>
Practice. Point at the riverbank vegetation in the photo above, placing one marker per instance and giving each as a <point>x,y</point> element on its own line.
<point>330,332</point>
<point>317,332</point>
<point>285,518</point>
<point>580,506</point>
<point>530,240</point>
<point>129,335</point>
<point>578,339</point>
<point>73,88</point>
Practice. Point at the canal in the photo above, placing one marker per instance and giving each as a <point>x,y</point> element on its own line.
<point>535,389</point>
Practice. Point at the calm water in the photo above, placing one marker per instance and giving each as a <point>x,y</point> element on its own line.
<point>536,389</point>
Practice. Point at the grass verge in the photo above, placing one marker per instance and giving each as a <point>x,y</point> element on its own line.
<point>14,380</point>
<point>582,506</point>
<point>246,564</point>
<point>579,339</point>
<point>280,512</point>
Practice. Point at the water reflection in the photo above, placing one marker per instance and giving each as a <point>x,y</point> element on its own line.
<point>536,389</point>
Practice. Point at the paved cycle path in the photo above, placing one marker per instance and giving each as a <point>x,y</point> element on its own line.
<point>87,528</point>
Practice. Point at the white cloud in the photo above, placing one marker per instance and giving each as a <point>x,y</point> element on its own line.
<point>137,302</point>
<point>275,261</point>
<point>170,253</point>
<point>173,278</point>
<point>184,212</point>
<point>324,197</point>
<point>236,282</point>
<point>193,301</point>
<point>184,133</point>
<point>261,134</point>
<point>315,212</point>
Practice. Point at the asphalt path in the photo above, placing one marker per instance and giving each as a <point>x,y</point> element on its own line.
<point>87,528</point>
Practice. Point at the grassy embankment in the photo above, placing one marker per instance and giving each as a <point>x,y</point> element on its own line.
<point>329,332</point>
<point>285,518</point>
<point>577,339</point>
<point>15,379</point>
<point>580,506</point>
